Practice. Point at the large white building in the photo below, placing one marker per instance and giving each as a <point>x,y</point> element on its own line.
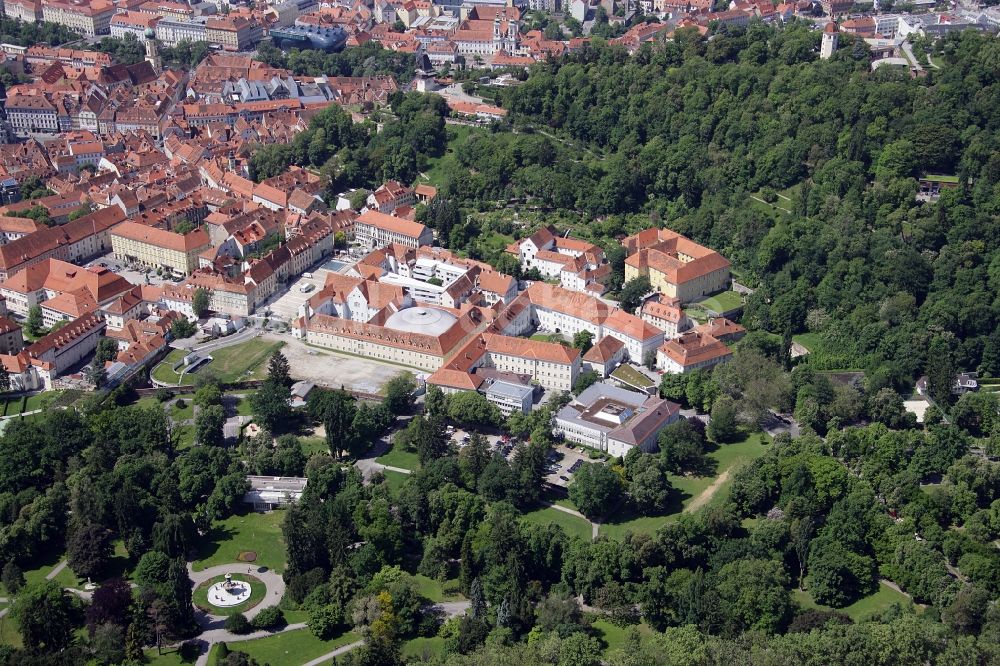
<point>374,230</point>
<point>614,420</point>
<point>550,365</point>
<point>554,309</point>
<point>577,264</point>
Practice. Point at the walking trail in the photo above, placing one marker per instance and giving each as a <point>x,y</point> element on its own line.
<point>707,494</point>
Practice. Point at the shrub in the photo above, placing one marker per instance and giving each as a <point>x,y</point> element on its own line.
<point>238,624</point>
<point>269,618</point>
<point>181,404</point>
<point>223,651</point>
<point>189,650</point>
<point>163,395</point>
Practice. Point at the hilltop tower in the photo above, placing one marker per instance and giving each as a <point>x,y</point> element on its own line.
<point>831,39</point>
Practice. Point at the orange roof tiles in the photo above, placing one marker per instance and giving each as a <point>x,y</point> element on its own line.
<point>195,240</point>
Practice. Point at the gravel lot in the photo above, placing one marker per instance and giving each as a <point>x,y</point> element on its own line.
<point>326,368</point>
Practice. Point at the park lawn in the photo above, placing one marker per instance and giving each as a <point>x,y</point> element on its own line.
<point>33,402</point>
<point>243,406</point>
<point>632,377</point>
<point>437,167</point>
<point>170,657</point>
<point>863,608</point>
<point>571,525</point>
<point>418,649</point>
<point>259,532</point>
<point>148,402</point>
<point>257,592</point>
<point>313,445</point>
<point>722,302</point>
<point>614,636</point>
<point>728,457</point>
<point>247,360</point>
<point>164,370</point>
<point>289,647</point>
<point>394,480</point>
<point>398,457</point>
<point>46,563</point>
<point>185,435</point>
<point>435,591</point>
<point>10,634</point>
<point>179,414</point>
<point>811,341</point>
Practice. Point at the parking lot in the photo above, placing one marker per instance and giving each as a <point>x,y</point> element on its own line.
<point>562,468</point>
<point>135,275</point>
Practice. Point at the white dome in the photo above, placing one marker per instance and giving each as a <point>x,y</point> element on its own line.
<point>429,321</point>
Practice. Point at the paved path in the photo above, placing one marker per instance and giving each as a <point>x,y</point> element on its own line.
<point>56,570</point>
<point>20,414</point>
<point>335,653</point>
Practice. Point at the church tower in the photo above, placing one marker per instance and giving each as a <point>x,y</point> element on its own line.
<point>152,51</point>
<point>831,39</point>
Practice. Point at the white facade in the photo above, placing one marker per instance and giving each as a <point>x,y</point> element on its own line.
<point>170,31</point>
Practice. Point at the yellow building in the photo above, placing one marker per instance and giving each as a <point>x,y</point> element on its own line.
<point>159,248</point>
<point>675,265</point>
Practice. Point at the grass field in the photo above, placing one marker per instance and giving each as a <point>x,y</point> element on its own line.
<point>247,360</point>
<point>257,592</point>
<point>397,457</point>
<point>437,591</point>
<point>862,608</point>
<point>243,406</point>
<point>170,657</point>
<point>21,404</point>
<point>614,636</point>
<point>313,445</point>
<point>394,480</point>
<point>811,341</point>
<point>421,649</point>
<point>572,525</point>
<point>9,632</point>
<point>288,647</point>
<point>728,458</point>
<point>722,302</point>
<point>548,337</point>
<point>259,532</point>
<point>439,166</point>
<point>187,412</point>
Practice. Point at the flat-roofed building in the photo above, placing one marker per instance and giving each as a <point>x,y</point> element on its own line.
<point>615,420</point>
<point>509,397</point>
<point>274,492</point>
